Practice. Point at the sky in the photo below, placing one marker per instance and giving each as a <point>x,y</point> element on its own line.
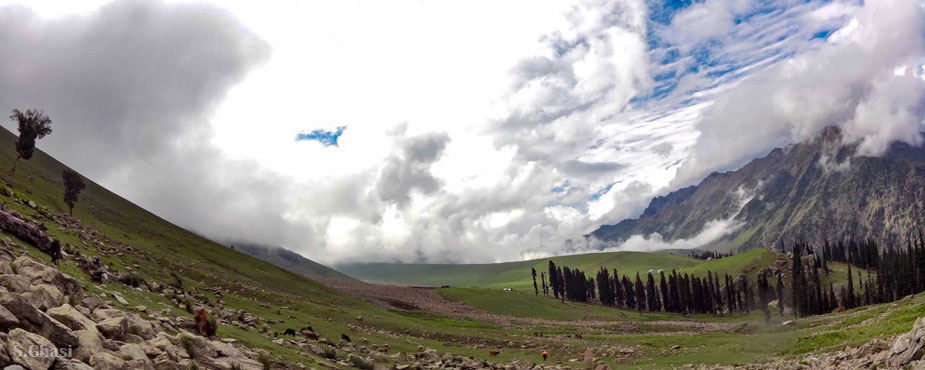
<point>447,131</point>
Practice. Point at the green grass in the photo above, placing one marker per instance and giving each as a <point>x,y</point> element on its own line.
<point>527,304</point>
<point>515,275</point>
<point>749,262</point>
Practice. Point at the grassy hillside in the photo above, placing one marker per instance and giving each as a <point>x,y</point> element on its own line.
<point>515,275</point>
<point>750,263</point>
<point>291,261</point>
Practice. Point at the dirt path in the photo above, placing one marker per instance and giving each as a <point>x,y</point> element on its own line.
<point>411,298</point>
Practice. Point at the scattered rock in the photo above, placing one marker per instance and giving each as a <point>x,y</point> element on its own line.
<point>19,342</point>
<point>70,317</point>
<point>119,299</point>
<point>92,302</point>
<point>106,361</point>
<point>7,319</point>
<point>908,347</point>
<point>113,328</point>
<point>89,342</point>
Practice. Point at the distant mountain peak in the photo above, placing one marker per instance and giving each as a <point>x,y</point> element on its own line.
<point>806,191</point>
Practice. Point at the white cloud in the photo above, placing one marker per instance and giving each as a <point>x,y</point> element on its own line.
<point>848,82</point>
<point>461,121</point>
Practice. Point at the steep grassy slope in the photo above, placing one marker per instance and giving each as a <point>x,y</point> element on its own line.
<point>514,275</point>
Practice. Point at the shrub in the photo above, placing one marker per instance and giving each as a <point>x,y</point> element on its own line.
<point>360,363</point>
<point>212,327</point>
<point>194,366</point>
<point>236,366</point>
<point>187,344</point>
<point>330,353</point>
<point>264,360</point>
<point>177,280</point>
<point>132,280</point>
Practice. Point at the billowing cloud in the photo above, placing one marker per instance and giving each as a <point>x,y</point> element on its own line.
<point>617,102</point>
<point>130,88</point>
<point>408,169</point>
<point>865,79</point>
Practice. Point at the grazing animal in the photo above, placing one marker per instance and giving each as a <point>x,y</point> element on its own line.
<point>202,321</point>
<point>326,342</point>
<point>494,353</point>
<point>55,252</point>
<point>309,328</point>
<point>345,338</point>
<point>310,335</point>
<point>289,332</point>
<point>275,334</point>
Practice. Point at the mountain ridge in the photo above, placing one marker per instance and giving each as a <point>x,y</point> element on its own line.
<point>292,261</point>
<point>813,191</point>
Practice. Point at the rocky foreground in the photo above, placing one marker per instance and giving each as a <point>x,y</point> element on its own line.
<point>48,322</point>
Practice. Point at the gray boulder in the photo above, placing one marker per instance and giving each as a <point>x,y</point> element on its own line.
<point>92,302</point>
<point>113,328</point>
<point>163,362</point>
<point>908,347</point>
<point>4,356</point>
<point>70,317</point>
<point>45,296</point>
<point>38,273</point>
<point>106,361</point>
<point>65,364</point>
<point>7,319</point>
<point>15,283</point>
<point>20,343</point>
<point>34,320</point>
<point>90,342</point>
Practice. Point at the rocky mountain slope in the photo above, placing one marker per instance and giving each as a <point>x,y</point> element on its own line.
<point>808,191</point>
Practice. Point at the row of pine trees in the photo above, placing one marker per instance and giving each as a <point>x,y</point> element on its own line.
<point>673,293</point>
<point>898,273</point>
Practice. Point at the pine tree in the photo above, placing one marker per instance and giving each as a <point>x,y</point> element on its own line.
<point>536,289</point>
<point>545,287</point>
<point>651,297</point>
<point>619,294</point>
<point>640,293</point>
<point>663,287</point>
<point>554,279</point>
<point>850,296</point>
<point>629,293</point>
<point>798,284</point>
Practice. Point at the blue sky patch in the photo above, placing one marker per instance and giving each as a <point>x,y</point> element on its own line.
<point>326,138</point>
<point>561,188</point>
<point>599,194</point>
